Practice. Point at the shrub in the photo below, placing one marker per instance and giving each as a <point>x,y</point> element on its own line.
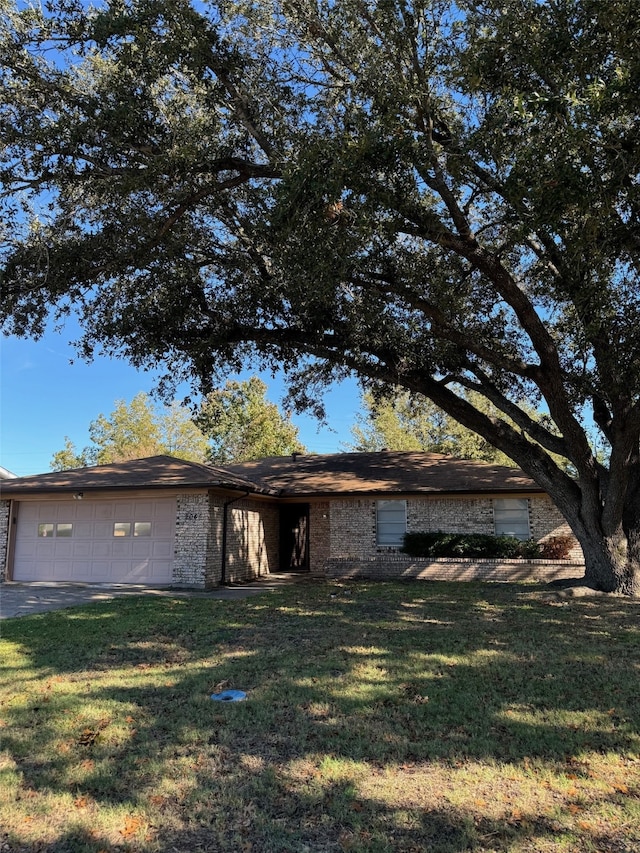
<point>557,547</point>
<point>439,544</point>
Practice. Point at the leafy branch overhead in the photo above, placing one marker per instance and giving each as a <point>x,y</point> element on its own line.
<point>438,196</point>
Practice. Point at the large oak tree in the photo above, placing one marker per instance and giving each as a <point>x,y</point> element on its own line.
<point>433,195</point>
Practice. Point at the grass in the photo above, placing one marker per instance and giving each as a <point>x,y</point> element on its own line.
<point>379,717</point>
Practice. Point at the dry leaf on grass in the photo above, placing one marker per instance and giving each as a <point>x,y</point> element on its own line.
<point>132,825</point>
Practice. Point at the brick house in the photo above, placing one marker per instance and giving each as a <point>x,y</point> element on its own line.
<point>165,521</point>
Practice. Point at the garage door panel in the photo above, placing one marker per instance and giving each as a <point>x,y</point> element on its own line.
<point>83,530</point>
<point>104,510</point>
<point>141,548</point>
<point>85,511</point>
<point>121,548</point>
<point>82,550</point>
<point>102,530</point>
<point>92,552</point>
<point>162,549</point>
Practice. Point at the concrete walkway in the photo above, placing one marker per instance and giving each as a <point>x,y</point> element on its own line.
<point>23,599</point>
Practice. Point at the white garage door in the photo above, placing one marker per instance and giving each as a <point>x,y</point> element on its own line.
<point>119,541</point>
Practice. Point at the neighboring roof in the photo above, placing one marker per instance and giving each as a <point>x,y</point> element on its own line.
<point>155,472</point>
<point>387,472</point>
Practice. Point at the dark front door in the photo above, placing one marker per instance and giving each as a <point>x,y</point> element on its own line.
<point>294,538</point>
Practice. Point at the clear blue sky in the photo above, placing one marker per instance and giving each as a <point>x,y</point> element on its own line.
<point>44,397</point>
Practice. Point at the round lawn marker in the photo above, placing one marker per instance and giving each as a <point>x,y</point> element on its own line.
<point>229,696</point>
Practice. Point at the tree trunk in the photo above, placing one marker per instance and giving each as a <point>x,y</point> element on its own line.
<point>612,563</point>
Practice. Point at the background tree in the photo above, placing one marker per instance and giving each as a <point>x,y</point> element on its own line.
<point>403,422</point>
<point>133,431</point>
<point>242,424</point>
<point>441,196</point>
<point>69,457</point>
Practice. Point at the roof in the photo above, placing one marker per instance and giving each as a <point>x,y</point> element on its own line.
<point>386,472</point>
<point>154,472</point>
<point>5,474</point>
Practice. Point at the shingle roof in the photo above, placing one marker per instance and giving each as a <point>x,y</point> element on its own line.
<point>154,472</point>
<point>386,471</point>
<point>288,476</point>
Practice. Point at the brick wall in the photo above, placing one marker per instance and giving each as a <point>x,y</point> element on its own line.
<point>547,521</point>
<point>197,547</point>
<point>319,536</point>
<point>253,532</point>
<point>451,515</point>
<point>352,533</point>
<point>399,567</point>
<point>4,536</point>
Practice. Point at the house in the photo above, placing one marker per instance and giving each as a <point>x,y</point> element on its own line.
<point>166,521</point>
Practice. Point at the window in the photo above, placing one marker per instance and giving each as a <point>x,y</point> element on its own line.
<point>511,517</point>
<point>125,528</point>
<point>391,522</point>
<point>62,530</point>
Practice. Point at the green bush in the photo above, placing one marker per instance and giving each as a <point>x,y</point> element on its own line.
<point>439,544</point>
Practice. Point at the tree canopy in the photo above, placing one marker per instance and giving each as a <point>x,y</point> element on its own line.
<point>234,424</point>
<point>441,196</point>
<point>400,421</point>
<point>135,430</point>
<point>242,424</point>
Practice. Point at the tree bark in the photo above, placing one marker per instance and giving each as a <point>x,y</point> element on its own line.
<point>610,565</point>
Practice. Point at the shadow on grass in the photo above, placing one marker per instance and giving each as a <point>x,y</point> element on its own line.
<point>342,681</point>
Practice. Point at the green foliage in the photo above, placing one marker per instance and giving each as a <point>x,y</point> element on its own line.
<point>235,423</point>
<point>434,195</point>
<point>69,457</point>
<point>402,421</point>
<point>133,431</point>
<point>242,424</point>
<point>439,544</point>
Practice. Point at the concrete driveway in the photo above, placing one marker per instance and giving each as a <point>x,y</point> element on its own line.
<point>23,599</point>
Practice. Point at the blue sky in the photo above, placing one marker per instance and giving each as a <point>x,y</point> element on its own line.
<point>45,395</point>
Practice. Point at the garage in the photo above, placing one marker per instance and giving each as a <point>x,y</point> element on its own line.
<point>95,540</point>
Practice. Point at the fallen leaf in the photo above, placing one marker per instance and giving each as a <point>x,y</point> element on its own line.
<point>574,809</point>
<point>81,803</point>
<point>131,826</point>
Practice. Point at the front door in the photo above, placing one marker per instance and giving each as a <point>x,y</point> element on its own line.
<point>294,538</point>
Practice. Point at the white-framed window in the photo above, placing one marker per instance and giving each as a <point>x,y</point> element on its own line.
<point>48,530</point>
<point>126,528</point>
<point>511,517</point>
<point>391,522</point>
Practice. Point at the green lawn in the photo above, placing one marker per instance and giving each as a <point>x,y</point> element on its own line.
<point>379,717</point>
